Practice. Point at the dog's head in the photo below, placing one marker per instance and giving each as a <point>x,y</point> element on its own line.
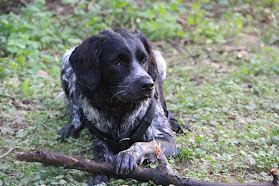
<point>120,62</point>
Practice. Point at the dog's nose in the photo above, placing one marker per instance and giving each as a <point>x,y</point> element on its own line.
<point>147,84</point>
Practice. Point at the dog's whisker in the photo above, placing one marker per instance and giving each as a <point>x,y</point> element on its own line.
<point>117,93</point>
<point>120,86</point>
<point>121,96</point>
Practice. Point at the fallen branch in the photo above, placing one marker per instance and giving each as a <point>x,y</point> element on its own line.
<point>163,175</point>
<point>6,153</point>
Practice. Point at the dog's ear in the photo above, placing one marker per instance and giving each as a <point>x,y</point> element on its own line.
<point>85,61</point>
<point>152,69</point>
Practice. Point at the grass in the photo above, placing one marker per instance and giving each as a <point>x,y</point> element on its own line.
<point>222,79</point>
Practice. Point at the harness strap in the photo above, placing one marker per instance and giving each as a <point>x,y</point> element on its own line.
<point>145,122</point>
<point>137,134</point>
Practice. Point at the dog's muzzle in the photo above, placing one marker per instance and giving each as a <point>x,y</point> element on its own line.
<point>147,86</point>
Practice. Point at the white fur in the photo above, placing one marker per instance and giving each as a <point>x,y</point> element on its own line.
<point>94,115</point>
<point>104,124</point>
<point>66,56</point>
<point>161,64</point>
<point>139,112</point>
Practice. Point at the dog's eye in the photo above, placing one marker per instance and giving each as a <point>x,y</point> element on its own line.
<point>143,60</point>
<point>116,62</point>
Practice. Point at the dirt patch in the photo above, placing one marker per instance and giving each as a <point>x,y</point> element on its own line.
<point>8,6</point>
<point>13,6</point>
<point>58,8</point>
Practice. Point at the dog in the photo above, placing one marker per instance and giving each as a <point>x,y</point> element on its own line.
<point>113,82</point>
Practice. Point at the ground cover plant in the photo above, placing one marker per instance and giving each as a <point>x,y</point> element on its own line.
<point>223,79</point>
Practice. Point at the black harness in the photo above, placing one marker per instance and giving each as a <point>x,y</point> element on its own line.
<point>132,136</point>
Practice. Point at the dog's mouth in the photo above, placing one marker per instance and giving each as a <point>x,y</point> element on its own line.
<point>140,98</point>
<point>131,95</point>
<point>149,95</point>
<point>145,97</point>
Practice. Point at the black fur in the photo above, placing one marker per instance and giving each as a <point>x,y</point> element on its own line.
<point>85,63</point>
<point>109,81</point>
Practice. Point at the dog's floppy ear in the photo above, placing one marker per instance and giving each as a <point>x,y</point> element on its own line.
<point>85,61</point>
<point>152,69</point>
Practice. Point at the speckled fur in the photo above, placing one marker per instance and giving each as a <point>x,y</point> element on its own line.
<point>85,107</point>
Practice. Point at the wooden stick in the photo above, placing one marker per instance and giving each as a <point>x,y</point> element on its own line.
<point>160,176</point>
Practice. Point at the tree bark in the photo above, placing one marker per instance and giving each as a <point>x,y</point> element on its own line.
<point>163,175</point>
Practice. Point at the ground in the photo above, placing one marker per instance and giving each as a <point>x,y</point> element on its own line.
<point>223,69</point>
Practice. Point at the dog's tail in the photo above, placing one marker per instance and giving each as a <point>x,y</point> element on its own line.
<point>175,126</point>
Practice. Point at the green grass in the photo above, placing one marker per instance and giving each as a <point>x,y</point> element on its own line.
<point>229,97</point>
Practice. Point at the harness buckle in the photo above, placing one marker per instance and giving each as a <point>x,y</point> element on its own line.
<point>124,139</point>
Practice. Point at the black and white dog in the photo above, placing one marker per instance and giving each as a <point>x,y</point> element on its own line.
<point>113,85</point>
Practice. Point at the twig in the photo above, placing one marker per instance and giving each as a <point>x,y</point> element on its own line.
<point>89,6</point>
<point>24,3</point>
<point>274,173</point>
<point>157,149</point>
<point>182,22</point>
<point>82,1</point>
<point>174,45</point>
<point>6,153</point>
<point>45,126</point>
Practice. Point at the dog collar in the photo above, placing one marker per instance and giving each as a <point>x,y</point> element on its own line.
<point>129,138</point>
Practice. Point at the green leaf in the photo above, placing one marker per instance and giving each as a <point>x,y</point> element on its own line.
<point>240,179</point>
<point>196,6</point>
<point>191,20</point>
<point>244,71</point>
<point>198,139</point>
<point>62,182</point>
<point>251,160</point>
<point>153,166</point>
<point>262,153</point>
<point>180,122</point>
<point>55,70</point>
<point>69,1</point>
<point>243,153</point>
<point>25,86</point>
<point>255,154</point>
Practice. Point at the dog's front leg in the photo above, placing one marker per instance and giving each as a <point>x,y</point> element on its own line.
<point>102,154</point>
<point>127,160</point>
<point>76,125</point>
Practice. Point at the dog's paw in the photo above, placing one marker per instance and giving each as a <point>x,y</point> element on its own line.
<point>68,131</point>
<point>97,179</point>
<point>124,162</point>
<point>176,127</point>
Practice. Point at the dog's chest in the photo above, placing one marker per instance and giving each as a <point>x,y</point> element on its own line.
<point>114,124</point>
